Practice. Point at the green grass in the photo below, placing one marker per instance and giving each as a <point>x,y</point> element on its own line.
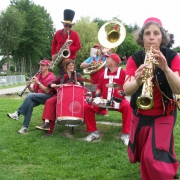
<point>64,156</point>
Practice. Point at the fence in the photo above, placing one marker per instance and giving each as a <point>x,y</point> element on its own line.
<point>10,80</point>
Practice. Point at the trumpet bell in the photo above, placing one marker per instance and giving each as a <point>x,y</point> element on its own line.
<point>112,34</point>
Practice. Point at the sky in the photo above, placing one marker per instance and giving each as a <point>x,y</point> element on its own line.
<point>129,12</point>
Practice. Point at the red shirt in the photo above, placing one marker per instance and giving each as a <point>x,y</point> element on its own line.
<point>60,38</point>
<point>102,84</point>
<point>158,104</point>
<point>45,81</point>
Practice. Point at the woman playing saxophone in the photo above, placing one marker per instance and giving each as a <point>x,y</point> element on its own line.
<point>151,138</point>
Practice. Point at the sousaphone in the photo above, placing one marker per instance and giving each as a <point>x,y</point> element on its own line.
<point>110,36</point>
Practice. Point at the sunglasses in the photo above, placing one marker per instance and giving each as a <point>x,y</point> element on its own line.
<point>67,25</point>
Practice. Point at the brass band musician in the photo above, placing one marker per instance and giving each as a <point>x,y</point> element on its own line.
<point>113,74</point>
<point>151,137</point>
<point>49,112</point>
<point>94,62</point>
<point>39,94</point>
<point>62,35</point>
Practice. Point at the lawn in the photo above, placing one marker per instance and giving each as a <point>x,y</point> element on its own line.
<point>65,155</point>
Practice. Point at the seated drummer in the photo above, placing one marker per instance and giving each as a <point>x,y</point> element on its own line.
<point>112,74</point>
<point>49,112</point>
<point>100,57</point>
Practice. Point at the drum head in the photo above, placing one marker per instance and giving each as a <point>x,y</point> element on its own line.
<point>70,121</point>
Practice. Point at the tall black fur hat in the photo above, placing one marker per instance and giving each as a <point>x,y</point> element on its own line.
<point>68,16</point>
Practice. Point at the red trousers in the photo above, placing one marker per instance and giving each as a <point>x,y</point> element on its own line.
<point>89,116</point>
<point>152,144</point>
<point>49,112</point>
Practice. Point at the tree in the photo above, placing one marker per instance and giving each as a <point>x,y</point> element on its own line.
<point>12,24</point>
<point>88,32</point>
<point>36,37</point>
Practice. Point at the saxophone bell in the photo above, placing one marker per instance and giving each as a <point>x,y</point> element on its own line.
<point>66,53</point>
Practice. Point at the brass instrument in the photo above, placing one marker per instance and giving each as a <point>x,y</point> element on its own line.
<point>95,66</point>
<point>110,36</point>
<point>64,52</point>
<point>145,101</point>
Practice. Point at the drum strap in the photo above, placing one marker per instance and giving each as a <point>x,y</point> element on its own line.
<point>111,78</point>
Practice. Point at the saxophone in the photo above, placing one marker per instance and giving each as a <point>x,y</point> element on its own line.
<point>64,52</point>
<point>145,101</point>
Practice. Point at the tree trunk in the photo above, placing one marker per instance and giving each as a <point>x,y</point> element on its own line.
<point>7,60</point>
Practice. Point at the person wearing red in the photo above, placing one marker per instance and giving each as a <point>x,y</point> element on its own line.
<point>49,112</point>
<point>40,92</point>
<point>100,56</point>
<point>151,137</point>
<point>62,35</point>
<point>112,74</point>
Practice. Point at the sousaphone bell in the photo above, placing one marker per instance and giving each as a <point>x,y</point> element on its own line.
<point>110,36</point>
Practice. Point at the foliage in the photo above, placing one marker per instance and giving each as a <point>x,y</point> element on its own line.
<point>33,38</point>
<point>36,37</point>
<point>99,22</point>
<point>177,49</point>
<point>12,24</point>
<point>87,31</point>
<point>26,37</point>
<point>128,47</point>
<point>12,69</point>
<point>64,155</point>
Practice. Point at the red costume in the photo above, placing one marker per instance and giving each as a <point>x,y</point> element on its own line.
<point>59,40</point>
<point>45,81</point>
<point>151,137</point>
<point>49,111</point>
<point>117,77</point>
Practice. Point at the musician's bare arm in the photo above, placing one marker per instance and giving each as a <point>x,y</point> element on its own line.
<point>85,65</point>
<point>31,88</point>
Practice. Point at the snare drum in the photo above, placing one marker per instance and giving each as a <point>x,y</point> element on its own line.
<point>70,105</point>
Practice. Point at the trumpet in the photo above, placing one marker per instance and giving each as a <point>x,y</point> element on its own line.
<point>23,91</point>
<point>145,101</point>
<point>64,52</point>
